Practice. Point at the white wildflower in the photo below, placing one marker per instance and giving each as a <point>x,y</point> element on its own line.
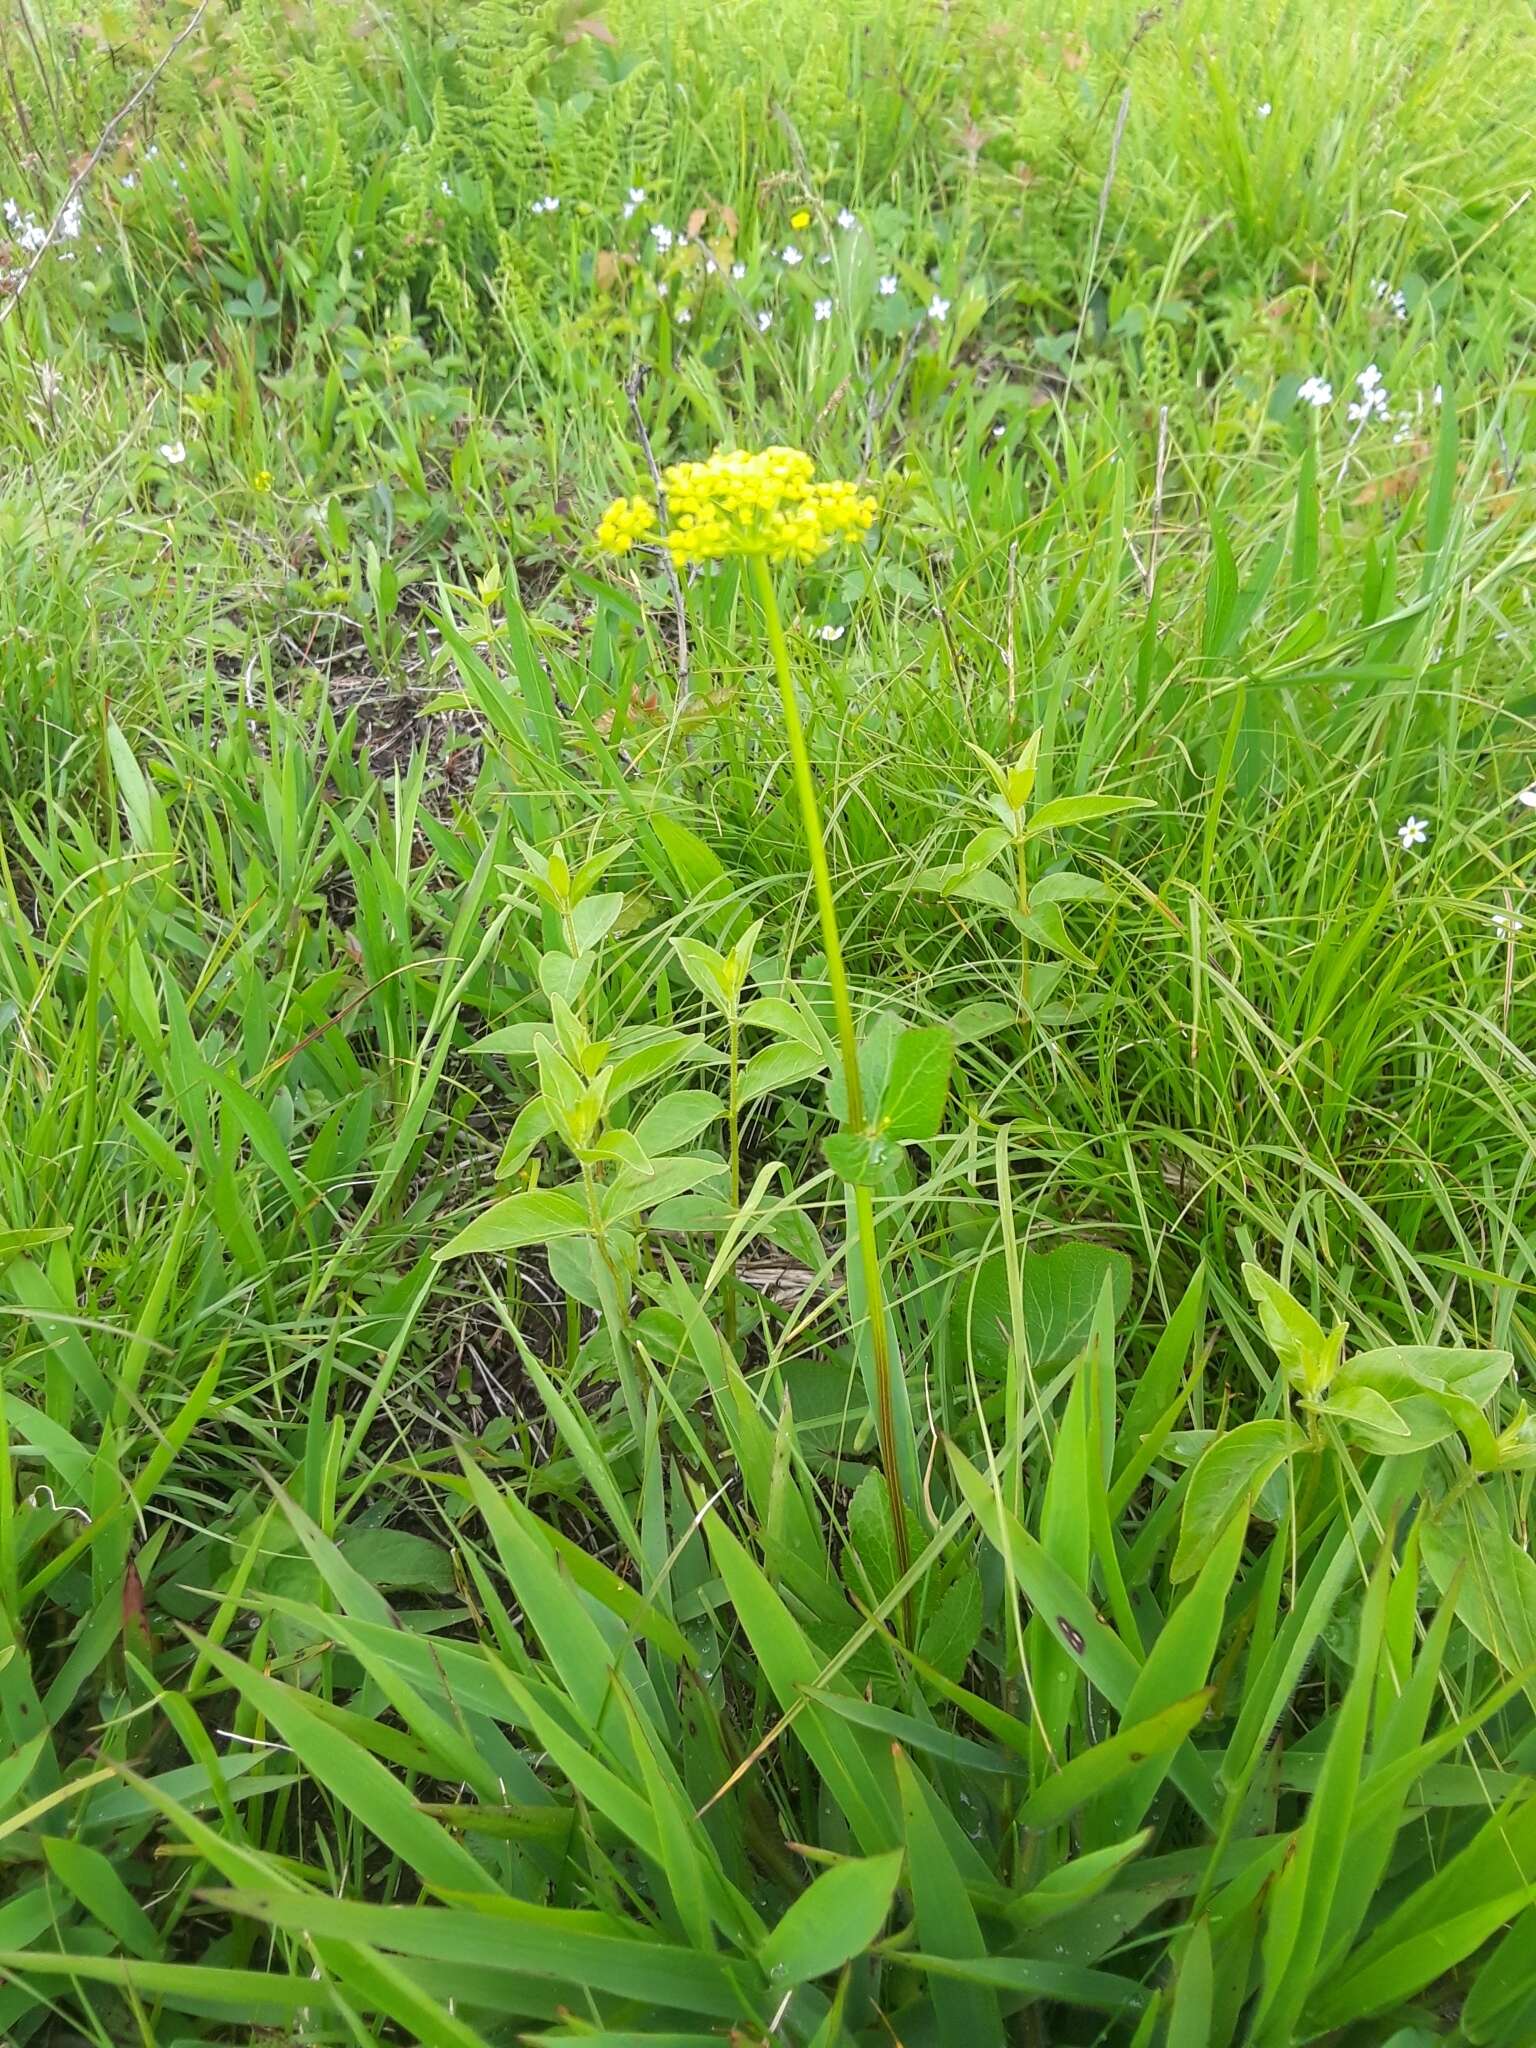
<point>1527,797</point>
<point>845,219</point>
<point>938,308</point>
<point>1316,391</point>
<point>789,256</point>
<point>822,310</point>
<point>636,198</point>
<point>830,632</point>
<point>173,452</point>
<point>661,235</point>
<point>1264,110</point>
<point>1507,925</point>
<point>684,316</point>
<point>1412,832</point>
<point>887,287</point>
<point>738,271</point>
<point>1372,402</point>
<point>764,321</point>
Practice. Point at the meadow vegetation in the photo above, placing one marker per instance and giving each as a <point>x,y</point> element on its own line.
<point>767,1300</point>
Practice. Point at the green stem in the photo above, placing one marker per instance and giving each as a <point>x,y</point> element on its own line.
<point>842,1010</point>
<point>733,1115</point>
<point>1022,872</point>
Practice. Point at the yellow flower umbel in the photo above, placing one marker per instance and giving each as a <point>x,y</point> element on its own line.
<point>767,505</point>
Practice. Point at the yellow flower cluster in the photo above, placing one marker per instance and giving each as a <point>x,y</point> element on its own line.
<point>739,504</point>
<point>626,521</point>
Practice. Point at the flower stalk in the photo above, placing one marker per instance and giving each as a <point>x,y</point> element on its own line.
<point>848,1045</point>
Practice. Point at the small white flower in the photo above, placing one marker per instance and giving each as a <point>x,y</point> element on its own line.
<point>661,235</point>
<point>445,188</point>
<point>1507,925</point>
<point>173,452</point>
<point>152,153</point>
<point>999,430</point>
<point>845,219</point>
<point>129,180</point>
<point>637,195</point>
<point>764,321</point>
<point>551,203</point>
<point>789,256</point>
<point>1527,797</point>
<point>822,310</point>
<point>830,632</point>
<point>738,271</point>
<point>1372,402</point>
<point>684,315</point>
<point>536,206</point>
<point>1316,391</point>
<point>938,308</point>
<point>710,266</point>
<point>1264,110</point>
<point>887,287</point>
<point>1412,832</point>
<point>663,290</point>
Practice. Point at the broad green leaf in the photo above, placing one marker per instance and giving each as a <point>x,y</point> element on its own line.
<point>677,1120</point>
<point>865,1160</point>
<point>836,1917</point>
<point>911,1105</point>
<point>1081,810</point>
<point>538,1216</point>
<point>776,1067</point>
<point>1061,1289</point>
<point>1308,1354</point>
<point>1224,1483</point>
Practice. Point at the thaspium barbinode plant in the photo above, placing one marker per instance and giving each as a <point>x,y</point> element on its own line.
<point>766,510</point>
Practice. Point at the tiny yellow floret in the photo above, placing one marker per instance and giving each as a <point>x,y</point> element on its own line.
<point>802,219</point>
<point>768,504</point>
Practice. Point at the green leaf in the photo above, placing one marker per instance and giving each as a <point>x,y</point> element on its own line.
<point>836,1917</point>
<point>1308,1354</point>
<point>698,869</point>
<point>911,1105</point>
<point>952,1627</point>
<point>865,1160</point>
<point>1061,1291</point>
<point>946,1920</point>
<point>1081,810</point>
<point>776,1067</point>
<point>398,1558</point>
<point>1094,1770</point>
<point>590,1952</point>
<point>982,887</point>
<point>536,1217</point>
<point>1226,1479</point>
<point>675,1121</point>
